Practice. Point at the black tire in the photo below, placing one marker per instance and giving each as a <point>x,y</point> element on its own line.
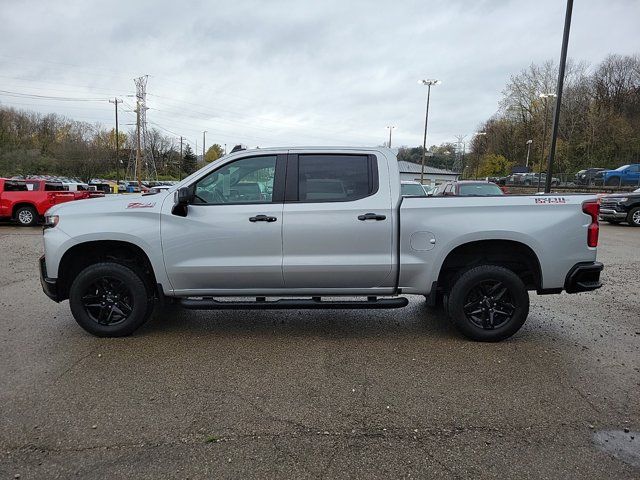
<point>633,217</point>
<point>613,181</point>
<point>26,216</point>
<point>500,295</point>
<point>110,299</point>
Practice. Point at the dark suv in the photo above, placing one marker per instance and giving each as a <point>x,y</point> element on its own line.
<point>621,207</point>
<point>587,177</point>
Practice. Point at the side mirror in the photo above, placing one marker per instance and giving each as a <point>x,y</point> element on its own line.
<point>184,196</point>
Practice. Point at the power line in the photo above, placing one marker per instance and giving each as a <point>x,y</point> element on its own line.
<point>50,97</point>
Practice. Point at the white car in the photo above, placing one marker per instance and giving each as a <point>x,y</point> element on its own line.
<point>332,223</point>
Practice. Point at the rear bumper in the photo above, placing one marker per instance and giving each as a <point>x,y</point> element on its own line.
<point>584,277</point>
<point>49,285</point>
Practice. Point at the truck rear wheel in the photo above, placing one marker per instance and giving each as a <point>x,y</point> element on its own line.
<point>27,216</point>
<point>110,299</point>
<point>488,303</point>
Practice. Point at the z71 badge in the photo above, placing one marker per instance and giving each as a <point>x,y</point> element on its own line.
<point>141,205</point>
<point>548,200</point>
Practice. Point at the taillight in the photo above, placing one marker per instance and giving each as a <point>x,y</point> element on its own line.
<point>592,208</point>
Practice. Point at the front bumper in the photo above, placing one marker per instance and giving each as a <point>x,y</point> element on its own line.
<point>49,285</point>
<point>583,277</point>
<point>609,213</point>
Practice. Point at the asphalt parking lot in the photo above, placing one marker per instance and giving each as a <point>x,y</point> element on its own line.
<point>319,394</point>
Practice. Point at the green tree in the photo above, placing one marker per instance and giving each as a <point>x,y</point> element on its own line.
<point>189,161</point>
<point>214,152</point>
<point>492,165</point>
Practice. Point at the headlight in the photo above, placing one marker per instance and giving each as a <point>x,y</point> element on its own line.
<point>51,221</point>
<point>620,200</point>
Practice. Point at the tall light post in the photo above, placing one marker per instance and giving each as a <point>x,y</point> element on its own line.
<point>544,97</point>
<point>204,138</point>
<point>529,142</point>
<point>556,113</point>
<point>429,83</point>
<point>390,127</point>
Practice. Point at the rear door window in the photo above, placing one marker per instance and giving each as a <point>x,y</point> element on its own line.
<point>335,178</point>
<point>10,186</point>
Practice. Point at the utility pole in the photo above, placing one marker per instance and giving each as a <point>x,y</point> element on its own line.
<point>180,164</point>
<point>556,113</point>
<point>204,137</point>
<point>138,152</point>
<point>544,97</point>
<point>391,127</point>
<point>116,101</point>
<point>429,83</point>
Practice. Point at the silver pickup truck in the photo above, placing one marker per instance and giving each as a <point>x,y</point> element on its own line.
<point>295,228</point>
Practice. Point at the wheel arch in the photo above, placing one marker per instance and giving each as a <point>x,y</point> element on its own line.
<point>23,204</point>
<point>511,254</point>
<point>83,254</point>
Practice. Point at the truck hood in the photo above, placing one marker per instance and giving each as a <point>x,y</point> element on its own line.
<point>111,204</point>
<point>622,195</point>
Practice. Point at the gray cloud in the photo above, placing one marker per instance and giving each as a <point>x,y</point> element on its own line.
<point>297,72</point>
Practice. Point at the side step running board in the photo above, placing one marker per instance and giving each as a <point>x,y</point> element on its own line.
<point>294,303</point>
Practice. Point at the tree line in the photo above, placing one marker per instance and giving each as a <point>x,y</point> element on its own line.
<point>599,122</point>
<point>50,144</point>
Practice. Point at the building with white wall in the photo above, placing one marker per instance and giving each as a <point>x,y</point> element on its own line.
<point>432,175</point>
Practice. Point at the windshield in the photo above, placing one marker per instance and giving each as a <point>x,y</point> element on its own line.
<point>412,189</point>
<point>623,167</point>
<point>480,189</point>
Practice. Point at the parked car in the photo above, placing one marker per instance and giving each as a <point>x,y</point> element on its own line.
<point>27,206</point>
<point>588,176</point>
<point>468,188</point>
<point>535,178</point>
<point>412,189</point>
<point>624,175</point>
<point>159,188</point>
<point>429,189</point>
<point>621,207</point>
<point>115,258</point>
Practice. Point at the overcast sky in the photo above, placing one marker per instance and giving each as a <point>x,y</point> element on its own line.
<point>296,72</point>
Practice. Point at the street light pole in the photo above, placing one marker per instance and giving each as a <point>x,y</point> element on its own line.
<point>529,142</point>
<point>390,127</point>
<point>428,83</point>
<point>556,113</point>
<point>116,101</point>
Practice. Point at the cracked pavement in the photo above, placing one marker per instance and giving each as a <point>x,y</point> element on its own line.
<point>318,394</point>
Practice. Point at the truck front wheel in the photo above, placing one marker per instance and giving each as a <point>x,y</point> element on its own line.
<point>110,299</point>
<point>488,303</point>
<point>633,217</point>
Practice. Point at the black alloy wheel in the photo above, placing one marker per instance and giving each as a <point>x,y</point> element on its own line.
<point>488,303</point>
<point>108,301</point>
